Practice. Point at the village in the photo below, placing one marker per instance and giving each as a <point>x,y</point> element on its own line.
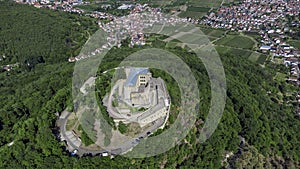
<point>271,20</point>
<point>131,26</point>
<point>257,16</point>
<point>247,16</point>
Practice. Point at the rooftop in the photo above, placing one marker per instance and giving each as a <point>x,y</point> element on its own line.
<point>133,75</point>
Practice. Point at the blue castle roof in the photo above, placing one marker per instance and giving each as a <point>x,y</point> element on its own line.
<point>133,75</point>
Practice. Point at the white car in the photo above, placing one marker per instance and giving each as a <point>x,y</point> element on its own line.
<point>105,154</point>
<point>74,152</point>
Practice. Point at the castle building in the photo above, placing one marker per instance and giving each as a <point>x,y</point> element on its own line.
<point>136,87</point>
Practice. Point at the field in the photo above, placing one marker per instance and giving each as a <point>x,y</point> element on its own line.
<point>257,57</point>
<point>172,44</point>
<point>233,43</point>
<point>212,34</point>
<point>252,56</point>
<point>206,3</point>
<point>197,3</point>
<point>295,43</point>
<point>236,41</point>
<point>198,9</point>
<point>223,50</point>
<point>154,3</point>
<point>192,14</point>
<point>90,7</point>
<point>210,4</point>
<point>262,58</point>
<point>252,34</point>
<point>240,45</point>
<point>192,8</point>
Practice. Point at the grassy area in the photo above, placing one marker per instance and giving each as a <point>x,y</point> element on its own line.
<point>89,7</point>
<point>252,56</point>
<point>211,33</point>
<point>240,52</point>
<point>278,61</point>
<point>154,3</point>
<point>71,122</point>
<point>252,34</point>
<point>85,138</point>
<point>115,103</point>
<point>258,57</point>
<point>234,44</point>
<point>198,9</point>
<point>211,38</point>
<point>205,3</point>
<point>206,30</point>
<point>222,50</point>
<point>198,3</point>
<point>295,43</point>
<point>122,127</point>
<point>134,109</point>
<point>216,33</point>
<point>192,39</point>
<point>172,45</point>
<point>281,77</point>
<point>192,14</point>
<point>157,27</point>
<point>262,59</point>
<point>236,41</point>
<point>133,129</point>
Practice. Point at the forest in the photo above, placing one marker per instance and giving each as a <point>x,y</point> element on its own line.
<point>30,36</point>
<point>31,96</point>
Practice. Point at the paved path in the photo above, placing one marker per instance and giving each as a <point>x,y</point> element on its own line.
<point>125,147</point>
<point>71,146</point>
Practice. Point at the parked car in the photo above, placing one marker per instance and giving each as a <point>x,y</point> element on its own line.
<point>104,154</point>
<point>73,153</point>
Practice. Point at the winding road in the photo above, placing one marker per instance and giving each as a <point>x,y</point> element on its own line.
<point>71,146</point>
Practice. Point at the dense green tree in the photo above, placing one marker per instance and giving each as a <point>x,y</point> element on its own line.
<point>29,101</point>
